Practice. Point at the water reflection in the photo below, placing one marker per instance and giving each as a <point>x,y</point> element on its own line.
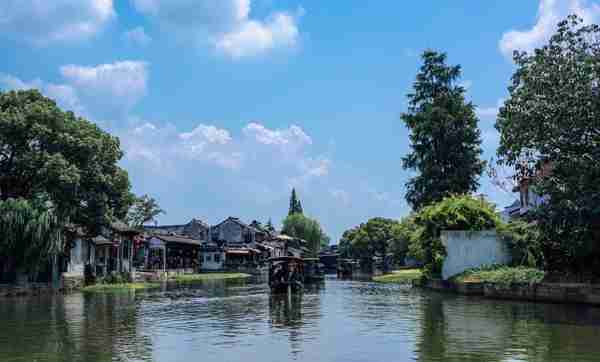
<point>336,321</point>
<point>466,329</point>
<point>72,328</point>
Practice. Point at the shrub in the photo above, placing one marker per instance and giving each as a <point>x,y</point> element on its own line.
<point>500,274</point>
<point>525,242</point>
<point>453,213</point>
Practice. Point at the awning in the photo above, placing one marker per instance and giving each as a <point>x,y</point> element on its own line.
<point>238,251</point>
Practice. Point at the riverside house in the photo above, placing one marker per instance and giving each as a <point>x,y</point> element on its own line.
<point>171,253</point>
<point>111,251</point>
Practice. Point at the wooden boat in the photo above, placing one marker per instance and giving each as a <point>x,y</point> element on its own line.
<point>286,274</point>
<point>347,268</point>
<point>314,271</point>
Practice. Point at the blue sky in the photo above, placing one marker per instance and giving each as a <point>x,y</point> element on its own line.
<point>222,106</point>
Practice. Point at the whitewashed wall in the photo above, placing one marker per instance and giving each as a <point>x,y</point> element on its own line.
<point>472,249</point>
<point>208,260</point>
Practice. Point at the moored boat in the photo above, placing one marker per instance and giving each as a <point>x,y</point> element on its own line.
<point>286,274</point>
<point>314,271</point>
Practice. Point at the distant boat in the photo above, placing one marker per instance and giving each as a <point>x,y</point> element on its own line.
<point>286,274</point>
<point>314,270</point>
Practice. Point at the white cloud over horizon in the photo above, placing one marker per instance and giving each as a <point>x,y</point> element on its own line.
<point>44,22</point>
<point>226,26</point>
<point>97,92</point>
<point>550,13</point>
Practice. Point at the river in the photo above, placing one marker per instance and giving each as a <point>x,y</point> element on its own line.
<point>335,321</point>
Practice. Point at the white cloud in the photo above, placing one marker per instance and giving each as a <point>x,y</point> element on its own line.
<point>489,113</point>
<point>110,88</point>
<point>11,82</point>
<point>226,25</point>
<point>64,95</point>
<point>340,195</point>
<point>44,22</point>
<point>293,135</point>
<point>137,36</point>
<point>106,90</point>
<point>550,12</point>
<point>254,37</point>
<point>203,142</point>
<point>278,151</point>
<point>316,168</point>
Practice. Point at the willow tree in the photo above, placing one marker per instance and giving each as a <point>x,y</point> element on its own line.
<point>31,235</point>
<point>444,137</point>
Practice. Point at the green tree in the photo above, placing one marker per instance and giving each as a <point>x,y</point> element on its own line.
<point>143,210</point>
<point>269,227</point>
<point>65,158</point>
<point>452,213</point>
<point>401,234</point>
<point>303,227</point>
<point>552,117</point>
<point>377,237</point>
<point>295,204</point>
<point>444,137</point>
<point>31,232</point>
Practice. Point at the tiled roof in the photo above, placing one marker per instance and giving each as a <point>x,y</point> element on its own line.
<point>178,239</point>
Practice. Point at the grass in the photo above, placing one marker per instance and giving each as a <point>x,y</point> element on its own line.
<point>501,275</point>
<point>119,287</point>
<point>400,276</point>
<point>209,276</point>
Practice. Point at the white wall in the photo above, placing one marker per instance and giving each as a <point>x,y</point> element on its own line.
<point>208,262</point>
<point>472,249</point>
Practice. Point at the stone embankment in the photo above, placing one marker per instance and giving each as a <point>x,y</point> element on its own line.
<point>537,292</point>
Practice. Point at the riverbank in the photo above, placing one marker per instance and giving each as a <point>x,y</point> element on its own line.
<point>187,278</point>
<point>36,289</point>
<point>566,293</point>
<point>179,278</point>
<point>404,276</point>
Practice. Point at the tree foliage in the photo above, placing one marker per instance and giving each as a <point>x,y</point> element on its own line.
<point>31,233</point>
<point>525,242</point>
<point>452,213</point>
<point>303,227</point>
<point>46,151</point>
<point>444,137</point>
<point>269,227</point>
<point>377,237</point>
<point>295,204</point>
<point>552,117</point>
<point>143,210</point>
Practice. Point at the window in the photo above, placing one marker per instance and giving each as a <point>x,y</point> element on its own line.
<point>125,249</point>
<point>208,258</point>
<point>217,258</point>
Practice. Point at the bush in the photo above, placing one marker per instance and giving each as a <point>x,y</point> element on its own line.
<point>525,242</point>
<point>501,275</point>
<point>114,278</point>
<point>453,213</point>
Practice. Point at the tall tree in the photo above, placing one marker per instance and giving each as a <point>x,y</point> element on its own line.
<point>269,227</point>
<point>295,204</point>
<point>46,152</point>
<point>552,118</point>
<point>444,137</point>
<point>303,227</point>
<point>143,210</point>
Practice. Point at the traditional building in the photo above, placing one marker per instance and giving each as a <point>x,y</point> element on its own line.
<point>196,229</point>
<point>172,252</point>
<point>232,231</point>
<point>111,251</point>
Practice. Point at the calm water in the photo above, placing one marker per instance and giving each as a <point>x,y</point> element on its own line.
<point>338,321</point>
